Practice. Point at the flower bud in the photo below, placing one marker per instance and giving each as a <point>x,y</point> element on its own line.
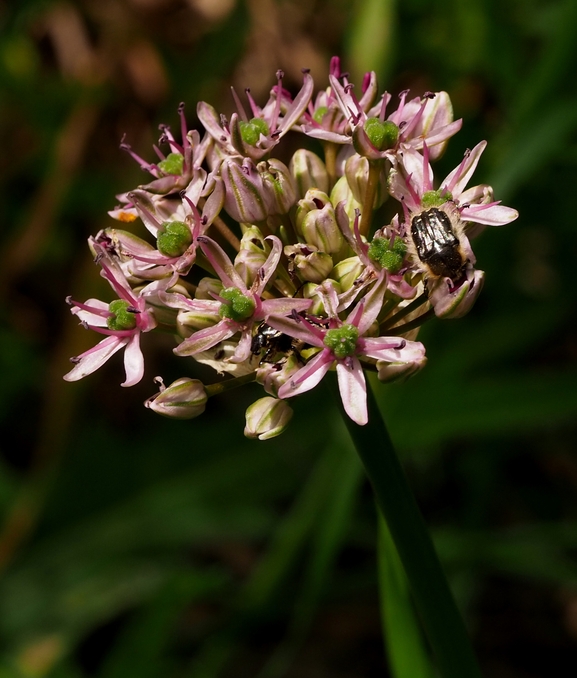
<point>319,228</point>
<point>247,264</point>
<point>314,199</point>
<point>399,371</point>
<point>310,264</point>
<point>245,199</point>
<point>437,114</point>
<point>342,193</point>
<point>455,302</point>
<point>310,291</point>
<point>273,375</point>
<point>357,174</point>
<point>308,171</point>
<point>347,271</point>
<point>188,322</point>
<point>278,182</point>
<point>267,418</point>
<point>184,399</point>
<point>208,288</point>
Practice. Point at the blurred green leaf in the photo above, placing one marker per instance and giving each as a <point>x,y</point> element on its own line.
<point>404,641</point>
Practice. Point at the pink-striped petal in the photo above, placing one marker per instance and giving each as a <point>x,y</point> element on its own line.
<point>353,389</point>
<point>95,357</point>
<point>308,376</point>
<point>133,361</point>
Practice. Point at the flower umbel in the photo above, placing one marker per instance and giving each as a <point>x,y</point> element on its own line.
<point>275,269</point>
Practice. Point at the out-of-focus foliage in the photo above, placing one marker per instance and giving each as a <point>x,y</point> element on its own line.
<point>135,546</point>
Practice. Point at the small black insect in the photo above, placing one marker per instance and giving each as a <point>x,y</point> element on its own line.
<point>438,246</point>
<point>271,341</point>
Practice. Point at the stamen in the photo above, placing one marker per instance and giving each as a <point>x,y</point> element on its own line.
<point>239,106</point>
<point>183,126</point>
<point>143,164</point>
<point>274,121</point>
<point>255,110</point>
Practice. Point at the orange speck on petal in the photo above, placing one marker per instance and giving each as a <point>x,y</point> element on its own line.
<point>126,217</point>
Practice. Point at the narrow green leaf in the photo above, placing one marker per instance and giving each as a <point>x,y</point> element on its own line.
<point>404,642</point>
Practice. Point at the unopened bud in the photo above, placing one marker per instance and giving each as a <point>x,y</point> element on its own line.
<point>247,264</point>
<point>184,399</point>
<point>278,182</point>
<point>357,174</point>
<point>308,171</point>
<point>267,417</point>
<point>188,322</point>
<point>342,193</point>
<point>399,371</point>
<point>455,302</point>
<point>310,291</point>
<point>314,199</point>
<point>208,288</point>
<point>245,196</point>
<point>318,224</point>
<point>347,271</point>
<point>273,375</point>
<point>437,114</point>
<point>310,264</point>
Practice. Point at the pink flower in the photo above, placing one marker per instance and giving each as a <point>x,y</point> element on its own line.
<point>413,123</point>
<point>122,321</point>
<point>178,169</point>
<point>412,183</point>
<point>239,306</point>
<point>255,137</point>
<point>344,342</point>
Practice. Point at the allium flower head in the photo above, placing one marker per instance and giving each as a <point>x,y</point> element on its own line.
<point>278,271</point>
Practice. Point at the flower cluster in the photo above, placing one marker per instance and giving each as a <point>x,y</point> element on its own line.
<point>278,272</point>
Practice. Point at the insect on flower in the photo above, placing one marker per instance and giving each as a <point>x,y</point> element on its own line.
<point>272,342</point>
<point>437,239</point>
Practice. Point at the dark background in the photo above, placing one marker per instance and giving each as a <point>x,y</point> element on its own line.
<point>131,545</point>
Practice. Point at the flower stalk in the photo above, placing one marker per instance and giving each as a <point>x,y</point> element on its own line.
<point>435,604</point>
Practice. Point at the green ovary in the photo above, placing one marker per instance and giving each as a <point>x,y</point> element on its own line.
<point>251,131</point>
<point>342,341</point>
<point>383,134</point>
<point>174,238</point>
<point>236,306</point>
<point>435,198</point>
<point>172,164</point>
<point>122,318</point>
<point>389,257</point>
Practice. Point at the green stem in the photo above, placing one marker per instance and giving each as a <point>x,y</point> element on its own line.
<point>409,308</point>
<point>369,199</point>
<point>439,615</point>
<point>412,324</point>
<point>229,384</point>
